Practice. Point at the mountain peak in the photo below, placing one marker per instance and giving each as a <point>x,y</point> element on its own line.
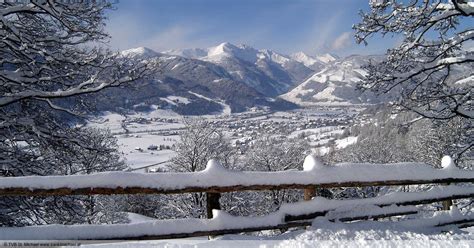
<point>327,57</point>
<point>139,51</point>
<point>227,44</point>
<point>300,54</point>
<point>222,49</point>
<point>305,59</point>
<point>226,49</point>
<point>312,61</point>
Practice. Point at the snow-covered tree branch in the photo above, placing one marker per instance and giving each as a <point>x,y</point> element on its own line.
<point>432,67</point>
<point>50,62</point>
<point>46,52</point>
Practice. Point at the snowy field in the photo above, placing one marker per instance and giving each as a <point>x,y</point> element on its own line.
<point>140,131</point>
<point>137,132</point>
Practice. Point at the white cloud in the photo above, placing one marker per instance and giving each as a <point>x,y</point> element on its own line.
<point>342,41</point>
<point>173,37</point>
<point>317,41</point>
<point>129,32</point>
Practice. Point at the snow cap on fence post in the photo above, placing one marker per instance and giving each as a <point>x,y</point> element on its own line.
<point>214,165</point>
<point>312,162</point>
<point>447,163</point>
<point>219,214</point>
<point>454,212</point>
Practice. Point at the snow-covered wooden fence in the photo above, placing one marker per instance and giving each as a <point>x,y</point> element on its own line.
<point>215,179</point>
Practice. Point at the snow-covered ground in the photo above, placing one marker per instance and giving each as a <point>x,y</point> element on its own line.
<point>342,143</point>
<point>135,149</point>
<point>225,107</point>
<point>136,132</point>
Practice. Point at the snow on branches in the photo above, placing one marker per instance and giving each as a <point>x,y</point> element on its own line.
<point>47,60</point>
<point>432,67</point>
<point>49,64</point>
<point>46,52</point>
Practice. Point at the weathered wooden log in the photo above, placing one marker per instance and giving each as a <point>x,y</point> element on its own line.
<point>468,222</point>
<point>315,214</point>
<point>431,200</point>
<point>254,229</point>
<point>460,223</point>
<point>25,191</point>
<point>375,216</point>
<point>466,225</point>
<point>215,232</point>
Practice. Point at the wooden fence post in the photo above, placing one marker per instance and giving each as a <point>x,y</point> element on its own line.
<point>448,203</point>
<point>212,202</point>
<point>310,163</point>
<point>309,193</point>
<point>446,163</point>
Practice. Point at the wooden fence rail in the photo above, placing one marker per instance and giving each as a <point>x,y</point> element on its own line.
<point>30,191</point>
<point>215,180</point>
<point>286,217</point>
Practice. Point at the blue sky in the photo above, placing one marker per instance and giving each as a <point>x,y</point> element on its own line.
<point>286,26</point>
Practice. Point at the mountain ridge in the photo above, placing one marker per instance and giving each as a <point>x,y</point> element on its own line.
<point>244,77</point>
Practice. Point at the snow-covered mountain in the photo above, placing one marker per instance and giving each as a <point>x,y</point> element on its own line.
<point>142,52</point>
<point>208,87</point>
<point>316,63</point>
<point>335,84</point>
<point>268,72</point>
<point>243,77</point>
<point>192,53</point>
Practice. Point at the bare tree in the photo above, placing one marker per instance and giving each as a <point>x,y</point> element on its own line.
<point>102,155</point>
<point>46,62</point>
<point>268,153</point>
<point>46,52</point>
<point>200,142</point>
<point>432,67</point>
<point>429,142</point>
<point>49,64</point>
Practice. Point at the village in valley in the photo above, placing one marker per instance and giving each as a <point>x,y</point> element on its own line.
<point>149,138</point>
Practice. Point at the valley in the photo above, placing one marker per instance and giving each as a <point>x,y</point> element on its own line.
<point>146,139</point>
<point>244,92</point>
